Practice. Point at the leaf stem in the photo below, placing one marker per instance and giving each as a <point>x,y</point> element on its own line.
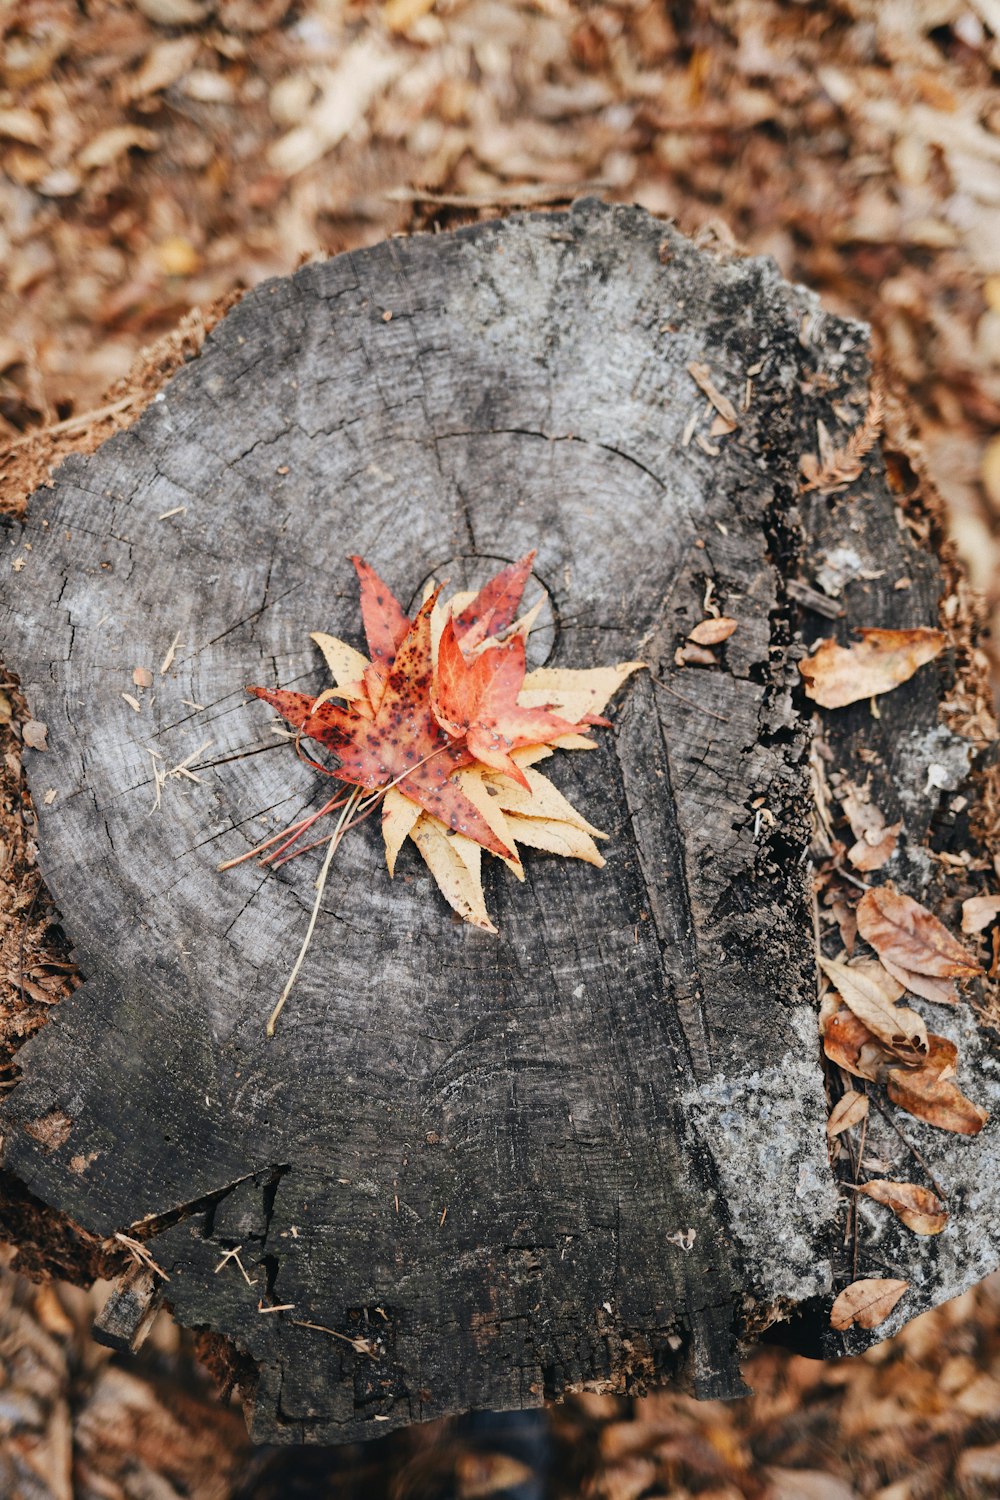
<point>283,833</point>
<point>335,839</point>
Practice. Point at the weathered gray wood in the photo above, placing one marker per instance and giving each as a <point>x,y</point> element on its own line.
<point>631,1067</point>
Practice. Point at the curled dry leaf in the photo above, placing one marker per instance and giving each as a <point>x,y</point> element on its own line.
<point>917,1207</point>
<point>913,945</point>
<point>882,659</point>
<point>868,854</point>
<point>978,912</point>
<point>848,1111</point>
<point>867,1302</point>
<point>875,842</point>
<point>110,144</point>
<point>897,1027</point>
<point>693,656</point>
<point>713,631</point>
<point>849,1044</point>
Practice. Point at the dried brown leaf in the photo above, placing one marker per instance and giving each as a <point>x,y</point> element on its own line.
<point>848,1111</point>
<point>173,12</point>
<point>978,912</point>
<point>846,921</point>
<point>711,632</point>
<point>848,1043</point>
<point>165,63</point>
<point>702,377</point>
<point>897,1027</point>
<point>868,855</point>
<point>939,991</point>
<point>867,1302</point>
<point>694,656</point>
<point>934,1098</point>
<point>882,659</point>
<point>112,143</point>
<point>908,937</point>
<point>917,1207</point>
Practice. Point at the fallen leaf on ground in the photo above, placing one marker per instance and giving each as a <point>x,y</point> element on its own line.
<point>867,1302</point>
<point>712,632</point>
<point>837,675</point>
<point>897,1027</point>
<point>454,863</point>
<point>848,1043</point>
<point>913,945</point>
<point>35,734</point>
<point>978,912</point>
<point>917,1207</point>
<point>576,694</point>
<point>929,1096</point>
<point>848,1111</point>
<point>875,842</point>
<point>694,656</point>
<point>868,854</point>
<point>476,699</point>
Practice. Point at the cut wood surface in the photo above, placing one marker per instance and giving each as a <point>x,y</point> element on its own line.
<point>474,1170</point>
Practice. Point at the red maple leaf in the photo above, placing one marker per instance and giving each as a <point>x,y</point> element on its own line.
<point>385,623</point>
<point>476,701</point>
<point>403,745</point>
<point>496,604</point>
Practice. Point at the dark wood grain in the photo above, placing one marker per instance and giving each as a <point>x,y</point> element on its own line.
<point>478,1158</point>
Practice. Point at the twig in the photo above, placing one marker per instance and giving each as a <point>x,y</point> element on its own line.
<point>500,195</point>
<point>235,1255</point>
<point>70,424</point>
<point>335,839</point>
<point>294,829</point>
<point>911,1148</point>
<point>658,682</point>
<point>359,1344</point>
<point>140,1254</point>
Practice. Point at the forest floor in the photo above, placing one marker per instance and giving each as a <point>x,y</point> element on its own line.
<point>159,155</point>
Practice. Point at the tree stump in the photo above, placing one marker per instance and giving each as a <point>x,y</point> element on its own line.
<point>477,1171</point>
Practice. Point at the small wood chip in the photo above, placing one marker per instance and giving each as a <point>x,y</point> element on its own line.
<point>702,377</point>
<point>142,677</point>
<point>171,653</point>
<point>132,702</point>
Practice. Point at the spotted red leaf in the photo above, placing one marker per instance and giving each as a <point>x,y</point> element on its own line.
<point>384,621</point>
<point>496,604</point>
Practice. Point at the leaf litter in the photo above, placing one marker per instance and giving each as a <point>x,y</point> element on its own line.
<point>866,1032</point>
